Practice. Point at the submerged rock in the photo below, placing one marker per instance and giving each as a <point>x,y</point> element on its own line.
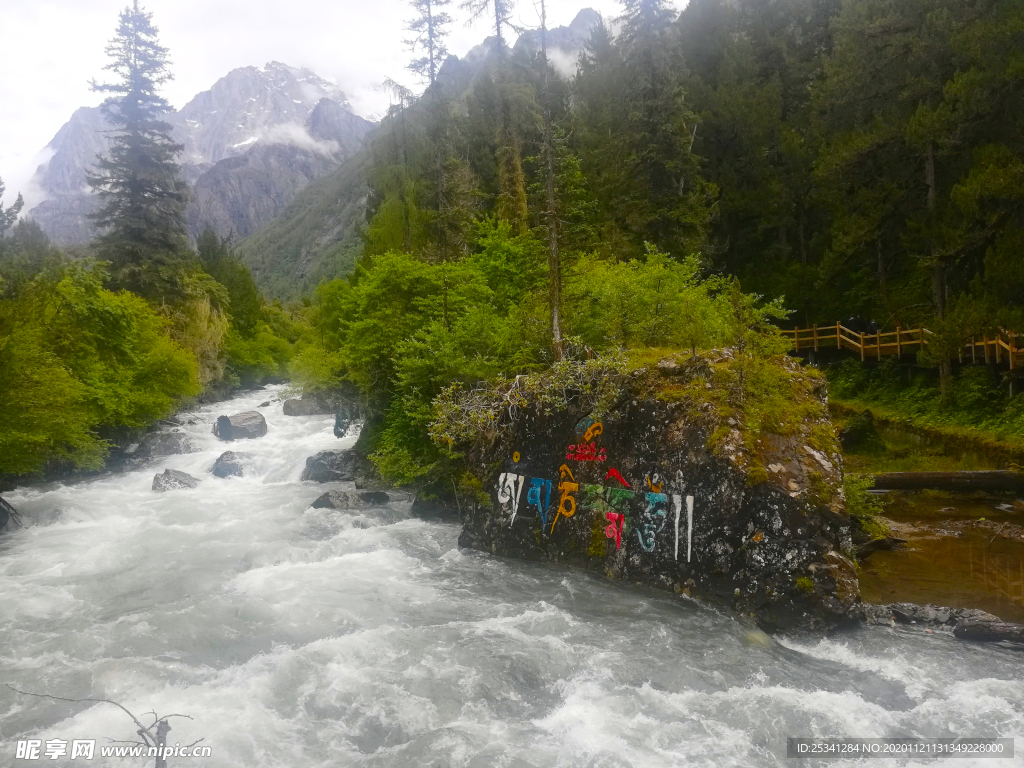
<point>172,480</point>
<point>231,464</point>
<point>240,426</point>
<point>165,444</point>
<point>330,466</point>
<point>652,475</point>
<point>884,544</point>
<point>306,406</point>
<point>350,499</point>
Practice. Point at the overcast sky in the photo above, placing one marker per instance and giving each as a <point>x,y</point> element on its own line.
<point>49,50</point>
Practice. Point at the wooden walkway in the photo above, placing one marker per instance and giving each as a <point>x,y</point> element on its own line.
<point>999,348</point>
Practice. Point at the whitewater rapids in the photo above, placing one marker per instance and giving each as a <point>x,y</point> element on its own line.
<point>299,638</point>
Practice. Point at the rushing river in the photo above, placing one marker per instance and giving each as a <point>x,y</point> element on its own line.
<point>298,637</point>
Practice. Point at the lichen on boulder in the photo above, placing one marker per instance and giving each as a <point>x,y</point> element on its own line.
<point>717,475</point>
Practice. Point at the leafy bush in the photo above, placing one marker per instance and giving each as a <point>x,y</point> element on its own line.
<point>77,357</point>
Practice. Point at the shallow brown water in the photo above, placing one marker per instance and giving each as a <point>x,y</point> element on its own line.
<point>954,557</point>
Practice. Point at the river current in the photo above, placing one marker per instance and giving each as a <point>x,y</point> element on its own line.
<point>300,637</point>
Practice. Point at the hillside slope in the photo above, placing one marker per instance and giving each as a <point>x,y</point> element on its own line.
<point>318,236</point>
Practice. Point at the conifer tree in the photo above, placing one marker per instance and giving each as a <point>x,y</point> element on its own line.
<point>142,196</point>
<point>8,217</point>
<point>430,28</point>
<point>554,262</point>
<point>510,204</point>
<point>502,13</point>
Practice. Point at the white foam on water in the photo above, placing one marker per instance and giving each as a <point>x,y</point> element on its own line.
<point>299,637</point>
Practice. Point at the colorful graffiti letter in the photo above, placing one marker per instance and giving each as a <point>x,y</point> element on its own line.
<point>510,490</point>
<point>613,472</point>
<point>652,520</point>
<point>566,503</point>
<point>585,452</point>
<point>593,431</point>
<point>689,526</point>
<point>677,503</point>
<point>533,496</point>
<point>614,531</point>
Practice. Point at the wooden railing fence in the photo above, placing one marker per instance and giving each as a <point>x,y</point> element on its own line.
<point>999,348</point>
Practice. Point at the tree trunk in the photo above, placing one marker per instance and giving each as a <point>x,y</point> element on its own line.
<point>881,266</point>
<point>161,743</point>
<point>554,260</point>
<point>938,276</point>
<point>800,233</point>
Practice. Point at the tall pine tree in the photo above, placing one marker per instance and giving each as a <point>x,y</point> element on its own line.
<point>430,28</point>
<point>142,196</point>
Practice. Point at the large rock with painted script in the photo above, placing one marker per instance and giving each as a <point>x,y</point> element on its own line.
<point>716,476</point>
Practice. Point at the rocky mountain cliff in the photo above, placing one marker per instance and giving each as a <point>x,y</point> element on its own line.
<point>252,142</point>
<point>318,235</point>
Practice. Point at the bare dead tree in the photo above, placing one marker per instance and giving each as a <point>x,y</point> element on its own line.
<point>152,736</point>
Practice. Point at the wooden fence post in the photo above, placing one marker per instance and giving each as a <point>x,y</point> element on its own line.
<point>878,344</point>
<point>815,337</point>
<point>974,350</point>
<point>796,338</point>
<point>899,347</point>
<point>862,346</point>
<point>985,341</point>
<point>839,335</point>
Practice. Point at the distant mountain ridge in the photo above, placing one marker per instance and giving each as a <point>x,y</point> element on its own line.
<point>319,234</point>
<point>252,141</point>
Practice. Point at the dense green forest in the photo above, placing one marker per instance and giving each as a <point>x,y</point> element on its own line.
<point>859,158</point>
<point>703,175</point>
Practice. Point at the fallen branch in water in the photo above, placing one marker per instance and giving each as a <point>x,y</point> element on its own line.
<point>150,739</point>
<point>7,512</point>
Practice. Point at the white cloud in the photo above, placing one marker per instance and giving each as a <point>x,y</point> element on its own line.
<point>50,49</point>
<point>296,136</point>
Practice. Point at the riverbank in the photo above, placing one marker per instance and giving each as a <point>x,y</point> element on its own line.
<point>908,445</point>
<point>980,413</point>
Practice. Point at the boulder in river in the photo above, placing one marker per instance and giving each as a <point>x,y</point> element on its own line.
<point>165,444</point>
<point>330,466</point>
<point>350,500</point>
<point>172,480</point>
<point>231,464</point>
<point>675,475</point>
<point>925,615</point>
<point>240,426</point>
<point>989,631</point>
